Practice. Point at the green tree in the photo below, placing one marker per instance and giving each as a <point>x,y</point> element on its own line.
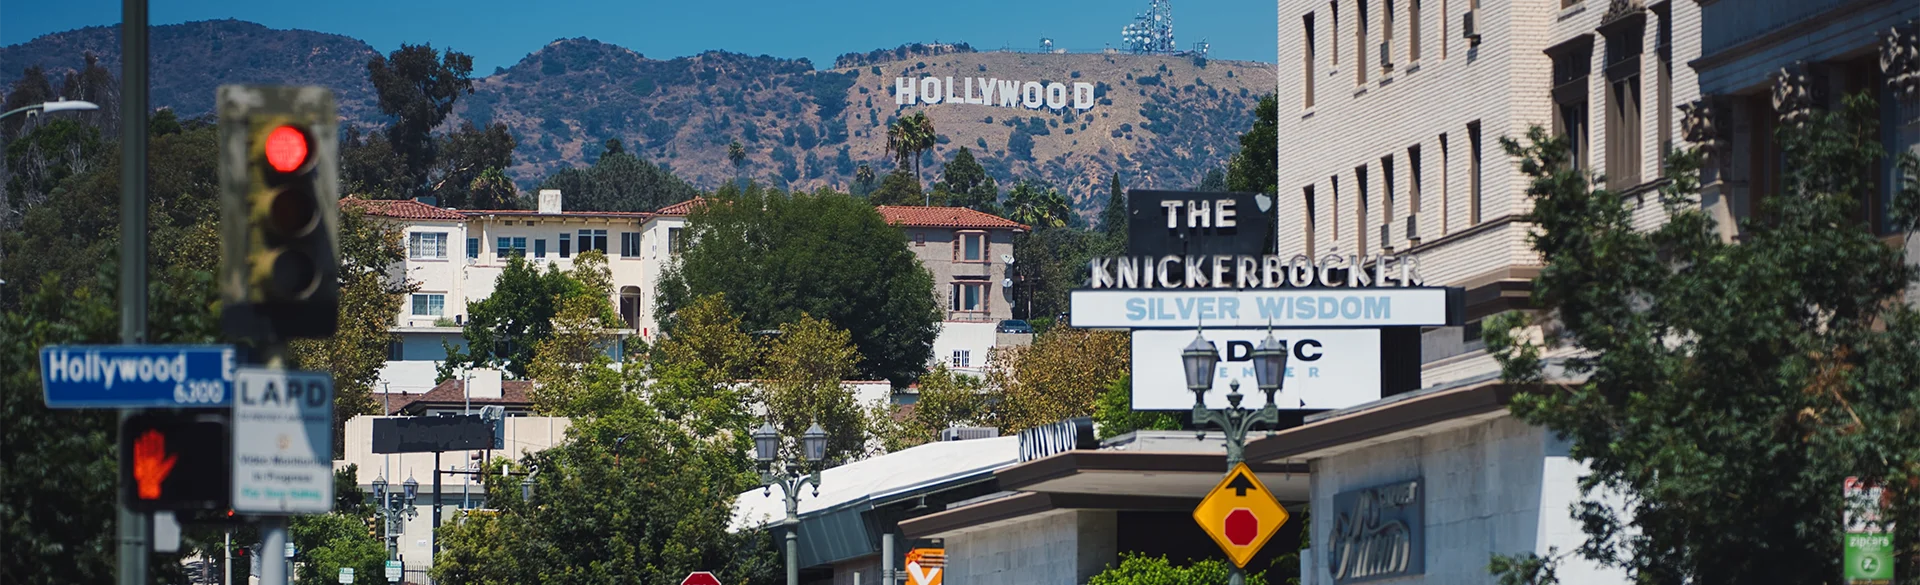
<point>370,168</point>
<point>1728,388</point>
<point>858,271</point>
<point>571,367</point>
<point>493,190</point>
<point>503,329</point>
<point>737,155</point>
<point>1037,204</point>
<point>899,188</point>
<point>863,181</point>
<point>1049,262</point>
<point>417,86</point>
<point>967,184</point>
<point>369,306</point>
<point>947,399</point>
<point>1255,168</point>
<point>1115,414</point>
<point>1214,181</point>
<point>1139,569</point>
<point>619,181</point>
<point>1113,219</point>
<point>343,538</point>
<point>907,138</point>
<point>463,157</point>
<point>1061,375</point>
<point>800,385</point>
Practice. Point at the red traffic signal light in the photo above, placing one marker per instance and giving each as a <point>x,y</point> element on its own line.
<point>286,149</point>
<point>175,460</point>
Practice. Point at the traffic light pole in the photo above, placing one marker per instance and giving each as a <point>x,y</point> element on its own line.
<point>135,529</point>
<point>273,557</point>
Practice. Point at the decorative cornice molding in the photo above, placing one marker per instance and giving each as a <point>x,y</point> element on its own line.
<point>1621,9</point>
<point>1701,125</point>
<point>1793,94</point>
<point>1900,60</point>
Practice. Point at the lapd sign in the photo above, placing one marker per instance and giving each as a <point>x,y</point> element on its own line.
<point>1326,368</point>
<point>282,442</point>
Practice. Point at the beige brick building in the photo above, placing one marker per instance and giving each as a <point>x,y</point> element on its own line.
<point>1391,113</point>
<point>970,254</point>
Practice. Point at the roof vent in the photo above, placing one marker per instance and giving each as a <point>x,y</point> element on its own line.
<point>965,433</point>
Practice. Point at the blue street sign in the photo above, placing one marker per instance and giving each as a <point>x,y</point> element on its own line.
<point>133,376</point>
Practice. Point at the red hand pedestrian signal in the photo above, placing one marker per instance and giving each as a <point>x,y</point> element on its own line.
<point>151,463</point>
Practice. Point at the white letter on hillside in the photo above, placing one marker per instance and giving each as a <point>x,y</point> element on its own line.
<point>1056,96</point>
<point>903,94</point>
<point>1082,95</point>
<point>1030,95</point>
<point>930,90</point>
<point>1009,92</point>
<point>953,99</point>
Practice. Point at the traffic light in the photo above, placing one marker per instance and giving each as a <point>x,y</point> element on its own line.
<point>279,182</point>
<point>175,460</point>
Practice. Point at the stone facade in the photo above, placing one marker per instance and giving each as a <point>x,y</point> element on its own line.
<point>1062,546</point>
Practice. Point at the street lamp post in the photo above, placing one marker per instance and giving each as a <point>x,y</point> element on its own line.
<point>790,477</point>
<point>1199,360</point>
<point>395,510</point>
<point>51,107</point>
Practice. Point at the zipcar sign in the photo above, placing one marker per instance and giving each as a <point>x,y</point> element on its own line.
<point>133,376</point>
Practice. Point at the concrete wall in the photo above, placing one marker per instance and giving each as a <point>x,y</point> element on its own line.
<point>1497,486</point>
<point>1064,547</point>
<point>975,338</point>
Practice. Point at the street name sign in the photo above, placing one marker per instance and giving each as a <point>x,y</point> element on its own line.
<point>700,578</point>
<point>137,376</point>
<point>1240,514</point>
<point>346,575</point>
<point>393,571</point>
<point>282,442</point>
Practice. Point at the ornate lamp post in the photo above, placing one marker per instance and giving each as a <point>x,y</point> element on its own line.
<point>791,476</point>
<point>395,509</point>
<point>1199,361</point>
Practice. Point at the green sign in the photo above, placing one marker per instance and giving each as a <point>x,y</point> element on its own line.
<point>1869,559</point>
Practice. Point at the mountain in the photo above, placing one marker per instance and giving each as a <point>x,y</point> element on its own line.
<point>1160,121</point>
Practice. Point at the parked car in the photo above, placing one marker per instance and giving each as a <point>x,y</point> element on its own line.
<point>1015,326</point>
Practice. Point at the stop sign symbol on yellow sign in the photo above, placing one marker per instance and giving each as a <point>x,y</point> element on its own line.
<point>1240,514</point>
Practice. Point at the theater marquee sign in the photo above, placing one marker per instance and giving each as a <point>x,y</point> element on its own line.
<point>1379,533</point>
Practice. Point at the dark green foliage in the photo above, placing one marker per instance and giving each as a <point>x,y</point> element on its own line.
<point>619,181</point>
<point>502,329</point>
<point>967,184</point>
<point>1050,262</point>
<point>1113,218</point>
<point>858,272</point>
<point>899,188</point>
<point>1020,145</point>
<point>1729,387</point>
<point>466,154</point>
<point>1254,169</point>
<point>1147,80</point>
<point>417,86</point>
<point>1138,569</point>
<point>1214,181</point>
<point>1115,414</point>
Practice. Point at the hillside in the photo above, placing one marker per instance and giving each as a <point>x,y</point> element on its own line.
<point>1162,120</point>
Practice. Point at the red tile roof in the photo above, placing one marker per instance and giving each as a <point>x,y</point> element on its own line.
<point>399,209</point>
<point>512,393</point>
<point>682,208</point>
<point>531,213</point>
<point>945,217</point>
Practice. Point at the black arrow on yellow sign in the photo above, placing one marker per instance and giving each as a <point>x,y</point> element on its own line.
<point>1240,485</point>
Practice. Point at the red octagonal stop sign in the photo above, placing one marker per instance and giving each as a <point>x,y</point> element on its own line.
<point>1242,527</point>
<point>700,578</point>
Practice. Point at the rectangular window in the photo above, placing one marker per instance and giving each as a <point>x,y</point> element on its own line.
<point>1334,211</point>
<point>507,247</point>
<point>1413,31</point>
<point>473,248</point>
<point>674,243</point>
<point>1360,211</point>
<point>540,248</point>
<point>396,351</point>
<point>1446,190</point>
<point>1306,65</point>
<point>1568,3</point>
<point>962,358</point>
<point>566,245</point>
<point>593,240</point>
<point>1360,44</point>
<point>919,238</point>
<point>1386,37</point>
<point>429,305</point>
<point>1572,63</point>
<point>1387,197</point>
<point>1313,216</point>
<point>1333,7</point>
<point>427,246</point>
<point>630,244</point>
<point>1625,40</point>
<point>1473,173</point>
<point>968,297</point>
<point>1443,30</point>
<point>1663,50</point>
<point>1413,194</point>
<point>972,247</point>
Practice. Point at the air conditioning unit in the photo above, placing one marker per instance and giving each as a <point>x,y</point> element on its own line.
<point>1006,283</point>
<point>1467,29</point>
<point>1413,229</point>
<point>1386,236</point>
<point>1386,55</point>
<point>966,433</point>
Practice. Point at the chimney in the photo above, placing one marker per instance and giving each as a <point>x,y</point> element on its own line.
<point>549,201</point>
<point>485,383</point>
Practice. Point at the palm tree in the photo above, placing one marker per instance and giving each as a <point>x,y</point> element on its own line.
<point>1037,205</point>
<point>738,155</point>
<point>924,138</point>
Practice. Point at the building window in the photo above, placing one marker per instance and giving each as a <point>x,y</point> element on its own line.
<point>429,305</point>
<point>566,245</point>
<point>919,237</point>
<point>540,248</point>
<point>1313,217</point>
<point>630,244</point>
<point>1413,31</point>
<point>1333,32</point>
<point>510,247</point>
<point>1473,173</point>
<point>1360,44</point>
<point>1572,62</point>
<point>427,246</point>
<point>1386,38</point>
<point>1413,193</point>
<point>673,240</point>
<point>473,248</point>
<point>1625,40</point>
<point>1663,50</point>
<point>396,350</point>
<point>1387,198</point>
<point>968,297</point>
<point>1334,211</point>
<point>1446,190</point>
<point>1306,65</point>
<point>593,240</point>
<point>970,247</point>
<point>1360,211</point>
<point>962,358</point>
<point>1569,3</point>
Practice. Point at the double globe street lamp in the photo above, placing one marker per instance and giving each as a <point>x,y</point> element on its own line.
<point>395,508</point>
<point>1200,360</point>
<point>791,476</point>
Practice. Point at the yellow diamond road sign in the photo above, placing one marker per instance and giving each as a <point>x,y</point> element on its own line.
<point>1240,514</point>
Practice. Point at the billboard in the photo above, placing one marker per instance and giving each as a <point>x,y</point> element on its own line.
<point>1326,368</point>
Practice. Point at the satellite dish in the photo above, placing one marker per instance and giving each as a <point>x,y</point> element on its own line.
<point>1006,283</point>
<point>1006,258</point>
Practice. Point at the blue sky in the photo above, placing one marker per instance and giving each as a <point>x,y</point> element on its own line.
<point>500,33</point>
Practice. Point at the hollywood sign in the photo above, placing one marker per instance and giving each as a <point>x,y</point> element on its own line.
<point>989,91</point>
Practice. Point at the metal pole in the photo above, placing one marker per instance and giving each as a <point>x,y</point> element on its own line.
<point>135,529</point>
<point>886,558</point>
<point>226,565</point>
<point>433,531</point>
<point>793,536</point>
<point>273,539</point>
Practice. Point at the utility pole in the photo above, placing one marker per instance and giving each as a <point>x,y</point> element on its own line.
<point>135,528</point>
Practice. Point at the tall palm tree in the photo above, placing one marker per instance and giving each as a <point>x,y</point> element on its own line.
<point>738,155</point>
<point>1037,205</point>
<point>923,137</point>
